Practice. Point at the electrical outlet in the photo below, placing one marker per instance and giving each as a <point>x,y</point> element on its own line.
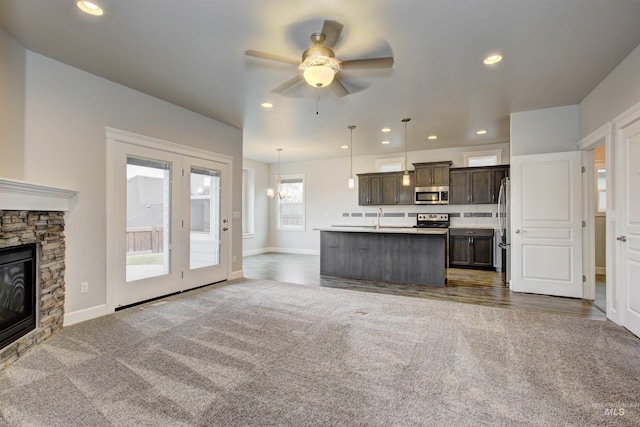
<point>84,287</point>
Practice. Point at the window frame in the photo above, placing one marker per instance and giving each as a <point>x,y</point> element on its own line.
<point>470,155</point>
<point>279,203</point>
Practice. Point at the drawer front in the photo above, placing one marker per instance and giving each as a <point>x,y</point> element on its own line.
<point>471,232</point>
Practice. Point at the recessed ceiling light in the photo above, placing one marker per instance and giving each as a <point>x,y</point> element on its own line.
<point>432,137</point>
<point>90,7</point>
<point>385,142</point>
<point>481,131</point>
<point>267,105</point>
<point>385,130</point>
<point>344,147</point>
<point>492,59</point>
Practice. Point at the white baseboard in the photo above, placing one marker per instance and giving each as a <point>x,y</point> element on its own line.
<point>282,250</point>
<point>255,252</point>
<point>85,314</point>
<point>295,251</point>
<point>601,270</point>
<point>236,275</point>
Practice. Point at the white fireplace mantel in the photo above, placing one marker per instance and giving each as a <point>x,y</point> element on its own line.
<point>25,196</point>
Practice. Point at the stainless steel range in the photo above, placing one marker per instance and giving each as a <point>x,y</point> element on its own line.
<point>438,221</point>
<point>432,220</point>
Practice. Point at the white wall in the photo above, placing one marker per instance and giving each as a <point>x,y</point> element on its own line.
<point>12,87</point>
<point>327,195</point>
<point>550,130</point>
<point>67,111</point>
<point>618,92</point>
<point>259,240</point>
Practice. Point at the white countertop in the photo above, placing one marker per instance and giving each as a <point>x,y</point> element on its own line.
<point>373,229</point>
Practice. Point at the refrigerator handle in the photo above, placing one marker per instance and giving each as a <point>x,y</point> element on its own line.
<point>501,209</point>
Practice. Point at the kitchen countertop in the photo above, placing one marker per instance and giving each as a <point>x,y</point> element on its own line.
<point>382,229</point>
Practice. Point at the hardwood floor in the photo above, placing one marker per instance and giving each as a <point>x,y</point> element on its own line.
<point>463,285</point>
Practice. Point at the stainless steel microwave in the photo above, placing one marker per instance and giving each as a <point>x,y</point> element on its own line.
<point>432,195</point>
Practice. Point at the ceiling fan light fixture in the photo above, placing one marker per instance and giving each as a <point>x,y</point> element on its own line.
<point>320,70</point>
<point>90,8</point>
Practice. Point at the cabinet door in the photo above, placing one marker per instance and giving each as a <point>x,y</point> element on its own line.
<point>482,251</point>
<point>459,187</point>
<point>498,175</point>
<point>440,175</point>
<point>375,190</point>
<point>364,190</point>
<point>459,253</point>
<point>424,176</point>
<point>389,187</point>
<point>481,186</point>
<point>406,195</point>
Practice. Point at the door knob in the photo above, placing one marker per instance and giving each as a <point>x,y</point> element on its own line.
<point>622,238</point>
<point>224,228</point>
<point>517,231</point>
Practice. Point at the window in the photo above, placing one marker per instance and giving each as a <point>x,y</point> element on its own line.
<point>248,198</point>
<point>394,164</point>
<point>291,207</point>
<point>483,158</point>
<point>601,189</point>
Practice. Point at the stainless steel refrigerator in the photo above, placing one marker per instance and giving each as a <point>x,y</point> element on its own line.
<point>504,223</point>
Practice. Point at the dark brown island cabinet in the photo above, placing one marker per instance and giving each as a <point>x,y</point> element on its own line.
<point>476,185</point>
<point>471,247</point>
<point>414,257</point>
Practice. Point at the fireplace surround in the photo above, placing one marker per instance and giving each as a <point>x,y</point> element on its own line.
<point>32,217</point>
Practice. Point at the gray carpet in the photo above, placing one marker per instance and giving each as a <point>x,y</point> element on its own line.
<point>257,352</point>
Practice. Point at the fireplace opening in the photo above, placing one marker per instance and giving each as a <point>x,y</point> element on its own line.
<point>17,292</point>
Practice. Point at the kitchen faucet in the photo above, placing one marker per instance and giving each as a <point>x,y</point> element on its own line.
<point>379,215</point>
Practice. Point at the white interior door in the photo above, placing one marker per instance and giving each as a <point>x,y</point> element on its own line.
<point>546,226</point>
<point>628,238</point>
<point>206,222</point>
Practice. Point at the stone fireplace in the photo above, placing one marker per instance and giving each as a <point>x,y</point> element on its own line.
<point>32,219</point>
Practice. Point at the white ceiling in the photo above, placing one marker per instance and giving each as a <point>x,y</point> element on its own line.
<point>191,53</point>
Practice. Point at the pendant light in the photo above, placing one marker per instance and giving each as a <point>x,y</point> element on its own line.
<point>352,182</point>
<point>270,192</point>
<point>406,178</point>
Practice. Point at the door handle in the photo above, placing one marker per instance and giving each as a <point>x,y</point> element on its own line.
<point>622,238</point>
<point>224,228</point>
<point>517,231</point>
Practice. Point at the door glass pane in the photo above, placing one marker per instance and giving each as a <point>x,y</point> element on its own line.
<point>148,218</point>
<point>204,218</point>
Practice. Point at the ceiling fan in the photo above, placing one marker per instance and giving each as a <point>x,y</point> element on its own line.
<point>319,64</point>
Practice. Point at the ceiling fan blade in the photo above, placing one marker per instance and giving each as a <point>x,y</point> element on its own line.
<point>287,84</point>
<point>271,57</point>
<point>331,31</point>
<point>338,88</point>
<point>362,64</point>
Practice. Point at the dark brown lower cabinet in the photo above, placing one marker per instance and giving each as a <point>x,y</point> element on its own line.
<point>471,247</point>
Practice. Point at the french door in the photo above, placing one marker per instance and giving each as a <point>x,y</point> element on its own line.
<point>171,228</point>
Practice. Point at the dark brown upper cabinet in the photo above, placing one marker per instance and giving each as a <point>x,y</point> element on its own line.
<point>432,174</point>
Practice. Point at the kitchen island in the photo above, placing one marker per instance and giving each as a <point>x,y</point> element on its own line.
<point>387,254</point>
